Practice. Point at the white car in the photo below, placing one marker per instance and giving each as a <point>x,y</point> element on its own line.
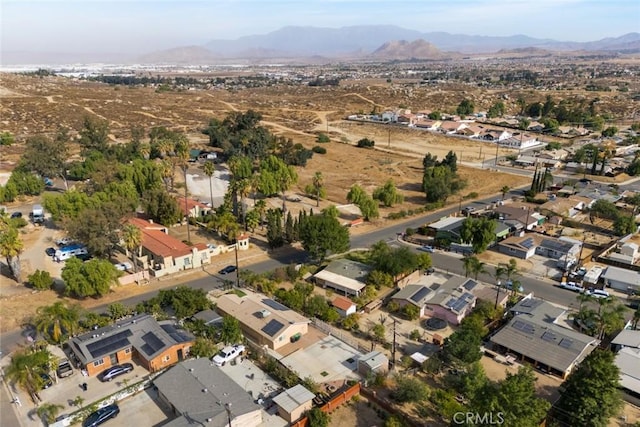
<point>123,266</point>
<point>227,354</point>
<point>597,293</point>
<point>572,286</point>
<point>64,241</point>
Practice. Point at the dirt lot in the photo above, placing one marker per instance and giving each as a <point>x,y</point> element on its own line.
<point>355,414</point>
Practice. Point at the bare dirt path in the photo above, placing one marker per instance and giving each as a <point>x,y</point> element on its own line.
<point>357,95</point>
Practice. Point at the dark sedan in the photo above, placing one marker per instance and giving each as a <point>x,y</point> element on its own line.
<point>50,251</point>
<point>115,371</point>
<point>101,416</point>
<point>228,269</point>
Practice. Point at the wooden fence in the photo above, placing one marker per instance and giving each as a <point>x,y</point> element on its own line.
<point>331,405</point>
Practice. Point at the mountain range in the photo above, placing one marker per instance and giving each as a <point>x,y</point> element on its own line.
<point>386,42</point>
<point>365,42</point>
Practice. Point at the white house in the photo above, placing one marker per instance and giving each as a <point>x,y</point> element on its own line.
<point>344,306</point>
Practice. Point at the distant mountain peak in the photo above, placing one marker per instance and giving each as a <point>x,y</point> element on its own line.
<point>403,49</point>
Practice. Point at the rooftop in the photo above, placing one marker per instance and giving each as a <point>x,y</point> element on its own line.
<point>293,398</point>
<point>448,223</point>
<point>342,303</point>
<point>628,361</point>
<point>622,275</point>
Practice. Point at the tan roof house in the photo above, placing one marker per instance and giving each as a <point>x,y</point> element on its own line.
<point>263,320</point>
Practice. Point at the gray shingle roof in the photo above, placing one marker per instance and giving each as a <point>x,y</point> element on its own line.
<point>555,346</point>
<point>141,332</point>
<point>291,399</point>
<point>199,391</point>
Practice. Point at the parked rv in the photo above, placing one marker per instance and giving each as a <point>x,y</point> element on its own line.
<point>66,252</point>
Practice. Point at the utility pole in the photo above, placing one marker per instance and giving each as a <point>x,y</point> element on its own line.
<point>497,295</point>
<point>393,348</point>
<point>237,265</point>
<point>497,146</point>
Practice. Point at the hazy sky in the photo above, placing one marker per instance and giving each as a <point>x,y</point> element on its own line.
<point>146,25</point>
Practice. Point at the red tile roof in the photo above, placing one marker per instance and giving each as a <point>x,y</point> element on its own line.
<point>156,241</point>
<point>342,303</point>
<point>191,204</point>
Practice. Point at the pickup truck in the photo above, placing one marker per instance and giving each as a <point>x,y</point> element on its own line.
<point>64,369</point>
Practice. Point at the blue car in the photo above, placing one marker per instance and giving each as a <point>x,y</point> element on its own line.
<point>426,248</point>
<point>509,285</point>
<point>228,269</point>
<point>101,416</point>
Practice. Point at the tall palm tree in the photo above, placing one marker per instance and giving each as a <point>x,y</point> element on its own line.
<point>11,246</point>
<point>477,267</point>
<point>144,150</point>
<point>243,187</point>
<point>22,370</point>
<point>209,169</point>
<point>499,273</point>
<point>261,207</point>
<point>467,262</point>
<point>132,238</point>
<point>181,150</point>
<point>166,172</point>
<point>48,412</point>
<point>56,321</point>
<point>504,190</point>
<point>318,182</point>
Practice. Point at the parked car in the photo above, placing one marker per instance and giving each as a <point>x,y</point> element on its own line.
<point>101,416</point>
<point>123,266</point>
<point>115,371</point>
<point>228,269</point>
<point>509,285</point>
<point>227,354</point>
<point>64,369</point>
<point>16,215</point>
<point>429,271</point>
<point>426,248</point>
<point>572,286</point>
<point>597,293</point>
<point>84,257</point>
<point>50,251</point>
<point>64,241</point>
<point>46,380</point>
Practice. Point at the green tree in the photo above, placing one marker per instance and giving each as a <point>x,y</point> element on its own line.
<point>332,211</point>
<point>11,245</point>
<point>596,379</point>
<point>322,235</point>
<point>473,266</point>
<point>92,278</point>
<point>523,123</point>
<point>479,232</point>
<point>504,190</point>
<point>380,279</point>
<point>409,389</point>
<point>411,312</point>
<point>252,219</point>
<point>465,107</point>
<point>41,280</point>
<point>94,135</point>
<point>46,157</point>
<point>230,332</point>
<point>48,412</point>
<point>132,239</point>
<point>624,225</point>
<point>23,368</point>
<point>209,170</point>
<point>276,177</point>
<point>463,346</point>
<point>318,185</point>
<point>610,131</point>
<point>57,321</point>
<point>117,311</point>
<point>318,418</point>
<point>6,139</point>
<point>162,207</point>
<point>366,143</point>
<point>388,194</point>
<point>274,228</point>
<point>203,347</point>
<point>322,138</point>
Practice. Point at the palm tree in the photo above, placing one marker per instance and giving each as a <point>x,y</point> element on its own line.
<point>209,169</point>
<point>242,188</point>
<point>57,321</point>
<point>504,190</point>
<point>144,150</point>
<point>132,237</point>
<point>22,370</point>
<point>499,273</point>
<point>48,412</point>
<point>11,246</point>
<point>181,150</point>
<point>318,182</point>
<point>261,207</point>
<point>467,262</point>
<point>166,172</point>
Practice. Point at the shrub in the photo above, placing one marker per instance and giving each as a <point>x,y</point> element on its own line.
<point>319,150</point>
<point>366,143</point>
<point>41,280</point>
<point>322,138</point>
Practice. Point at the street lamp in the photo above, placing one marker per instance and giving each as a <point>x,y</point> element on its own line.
<point>227,406</point>
<point>497,294</point>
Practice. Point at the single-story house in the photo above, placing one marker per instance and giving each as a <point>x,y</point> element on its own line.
<point>199,393</point>
<point>413,294</point>
<point>428,124</point>
<point>450,127</point>
<point>622,279</point>
<point>628,253</point>
<point>163,254</point>
<point>522,247</point>
<point>263,320</point>
<point>446,229</point>
<point>524,215</point>
<point>208,317</point>
<point>294,402</point>
<point>559,154</point>
<point>192,208</point>
<point>627,338</point>
<point>451,301</point>
<point>155,345</point>
<point>560,249</point>
<point>373,363</point>
<point>344,276</point>
<point>628,362</point>
<point>344,306</point>
<point>495,135</point>
<point>533,336</point>
<point>566,207</point>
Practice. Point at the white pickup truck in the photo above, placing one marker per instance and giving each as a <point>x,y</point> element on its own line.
<point>64,369</point>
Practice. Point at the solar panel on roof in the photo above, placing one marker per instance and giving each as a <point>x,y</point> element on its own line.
<point>459,305</point>
<point>549,336</point>
<point>527,303</point>
<point>565,343</point>
<point>110,344</point>
<point>467,296</point>
<point>272,327</point>
<point>528,329</point>
<point>527,243</point>
<point>470,284</point>
<point>450,302</point>
<point>518,324</point>
<point>435,286</point>
<point>177,334</point>
<point>274,305</point>
<point>422,292</point>
<point>152,343</point>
